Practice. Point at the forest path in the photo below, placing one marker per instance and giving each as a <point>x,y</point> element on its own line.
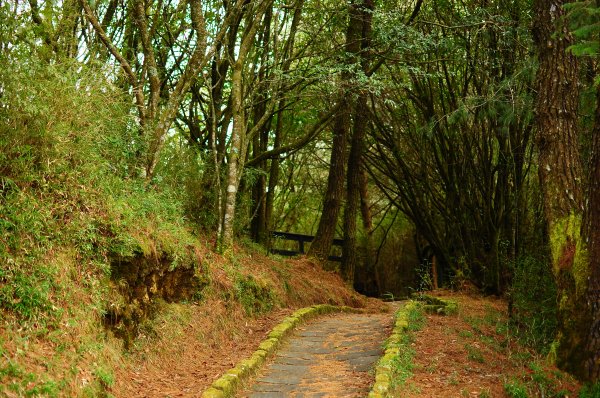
<point>328,357</point>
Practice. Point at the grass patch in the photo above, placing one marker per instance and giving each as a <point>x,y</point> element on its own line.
<point>515,389</point>
<point>590,391</point>
<point>402,363</point>
<point>474,353</point>
<point>256,296</point>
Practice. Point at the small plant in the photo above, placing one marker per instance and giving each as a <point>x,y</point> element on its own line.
<point>546,386</point>
<point>255,297</point>
<point>515,389</point>
<point>466,334</point>
<point>533,294</point>
<point>424,275</point>
<point>474,354</point>
<point>485,393</point>
<point>105,377</point>
<point>416,319</point>
<point>453,380</point>
<point>590,391</point>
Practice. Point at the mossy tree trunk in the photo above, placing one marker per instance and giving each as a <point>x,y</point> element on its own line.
<point>560,174</point>
<point>592,365</point>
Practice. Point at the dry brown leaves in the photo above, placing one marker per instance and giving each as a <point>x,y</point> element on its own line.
<point>465,356</point>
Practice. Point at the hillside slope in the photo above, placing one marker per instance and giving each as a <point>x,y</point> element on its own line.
<point>100,267</point>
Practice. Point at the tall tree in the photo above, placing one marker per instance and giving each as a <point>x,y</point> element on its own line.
<point>561,178</point>
<point>159,92</point>
<point>592,233</point>
<point>361,18</point>
<point>241,135</point>
<point>334,195</point>
<point>450,136</point>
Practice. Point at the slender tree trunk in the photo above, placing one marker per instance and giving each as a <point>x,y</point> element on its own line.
<point>273,173</point>
<point>560,175</point>
<point>258,226</point>
<point>240,134</point>
<point>349,255</point>
<point>234,163</point>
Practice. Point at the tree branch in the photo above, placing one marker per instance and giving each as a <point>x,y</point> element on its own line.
<point>137,90</point>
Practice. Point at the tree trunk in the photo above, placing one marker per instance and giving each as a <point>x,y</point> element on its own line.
<point>560,175</point>
<point>359,31</point>
<point>239,134</point>
<point>258,225</point>
<point>349,255</point>
<point>332,202</point>
<point>592,364</point>
<point>355,40</point>
<point>234,162</point>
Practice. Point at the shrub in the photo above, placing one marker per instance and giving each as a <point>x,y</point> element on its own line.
<point>533,294</point>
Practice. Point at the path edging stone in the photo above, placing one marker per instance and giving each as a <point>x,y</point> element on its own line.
<point>227,385</point>
<point>437,305</point>
<point>383,370</point>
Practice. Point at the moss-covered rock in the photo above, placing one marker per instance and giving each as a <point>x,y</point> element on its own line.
<point>213,393</point>
<point>227,383</point>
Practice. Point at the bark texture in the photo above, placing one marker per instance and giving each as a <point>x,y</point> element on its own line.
<point>560,174</point>
<point>592,364</point>
<point>359,35</point>
<point>357,40</point>
<point>334,195</point>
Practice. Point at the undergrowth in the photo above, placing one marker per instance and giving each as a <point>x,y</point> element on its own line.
<point>533,295</point>
<point>71,200</point>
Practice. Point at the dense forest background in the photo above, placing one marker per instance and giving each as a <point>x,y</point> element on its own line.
<point>453,136</point>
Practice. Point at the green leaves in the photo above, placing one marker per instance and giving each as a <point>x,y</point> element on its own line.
<point>584,19</point>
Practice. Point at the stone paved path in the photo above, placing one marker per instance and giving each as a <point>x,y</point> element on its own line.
<point>329,357</point>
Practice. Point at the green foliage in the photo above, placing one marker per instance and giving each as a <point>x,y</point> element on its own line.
<point>515,389</point>
<point>403,362</point>
<point>584,19</point>
<point>590,391</point>
<point>105,377</point>
<point>71,198</point>
<point>536,381</point>
<point>544,385</point>
<point>416,319</point>
<point>190,176</point>
<point>474,353</point>
<point>28,293</point>
<point>255,296</point>
<point>533,294</point>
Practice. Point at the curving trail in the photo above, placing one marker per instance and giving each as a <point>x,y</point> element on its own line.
<point>328,357</point>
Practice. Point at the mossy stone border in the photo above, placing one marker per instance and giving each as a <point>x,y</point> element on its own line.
<point>437,305</point>
<point>227,385</point>
<point>383,370</point>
